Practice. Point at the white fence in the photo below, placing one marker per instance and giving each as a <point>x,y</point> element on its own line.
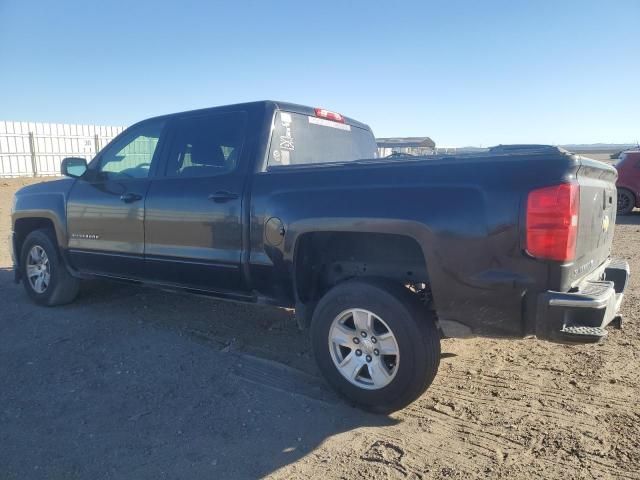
<point>36,149</point>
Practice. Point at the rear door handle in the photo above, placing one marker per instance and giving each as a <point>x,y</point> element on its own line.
<point>223,196</point>
<point>130,197</point>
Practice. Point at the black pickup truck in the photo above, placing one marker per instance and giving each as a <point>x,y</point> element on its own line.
<point>280,204</point>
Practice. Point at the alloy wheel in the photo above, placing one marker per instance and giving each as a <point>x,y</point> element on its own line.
<point>364,349</point>
<point>38,270</point>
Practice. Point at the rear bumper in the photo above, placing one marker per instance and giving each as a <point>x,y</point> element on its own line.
<point>582,316</point>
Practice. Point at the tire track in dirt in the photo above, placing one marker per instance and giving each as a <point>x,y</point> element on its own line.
<point>497,448</point>
<point>494,404</point>
<point>576,397</point>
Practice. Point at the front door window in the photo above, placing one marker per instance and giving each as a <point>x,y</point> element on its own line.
<point>131,155</point>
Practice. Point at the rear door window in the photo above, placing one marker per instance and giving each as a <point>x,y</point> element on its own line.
<point>206,146</point>
<point>299,139</point>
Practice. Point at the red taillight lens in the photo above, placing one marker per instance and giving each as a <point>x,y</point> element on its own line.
<point>552,222</point>
<point>322,113</point>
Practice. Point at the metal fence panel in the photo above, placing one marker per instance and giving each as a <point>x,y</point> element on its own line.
<point>34,149</point>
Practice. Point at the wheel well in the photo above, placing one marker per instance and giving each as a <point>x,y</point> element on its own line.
<point>324,259</point>
<point>24,226</point>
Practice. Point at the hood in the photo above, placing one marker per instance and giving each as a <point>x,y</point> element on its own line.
<point>56,186</point>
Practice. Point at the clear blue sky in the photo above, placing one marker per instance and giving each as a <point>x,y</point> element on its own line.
<point>462,72</point>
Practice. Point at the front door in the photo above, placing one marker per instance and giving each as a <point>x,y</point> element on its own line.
<point>105,210</point>
<point>193,218</point>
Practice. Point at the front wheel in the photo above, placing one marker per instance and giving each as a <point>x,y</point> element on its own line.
<point>375,343</point>
<point>44,275</point>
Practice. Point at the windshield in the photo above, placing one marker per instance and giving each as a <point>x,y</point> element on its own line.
<point>299,139</point>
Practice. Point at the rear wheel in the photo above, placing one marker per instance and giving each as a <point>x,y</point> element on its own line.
<point>626,201</point>
<point>44,275</point>
<point>375,343</point>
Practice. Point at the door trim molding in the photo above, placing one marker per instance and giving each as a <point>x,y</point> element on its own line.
<point>153,258</point>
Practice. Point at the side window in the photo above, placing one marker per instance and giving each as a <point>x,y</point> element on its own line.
<point>207,146</point>
<point>131,155</point>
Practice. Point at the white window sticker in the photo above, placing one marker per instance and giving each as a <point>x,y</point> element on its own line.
<point>329,123</point>
<point>281,157</point>
<point>285,117</point>
<point>286,143</point>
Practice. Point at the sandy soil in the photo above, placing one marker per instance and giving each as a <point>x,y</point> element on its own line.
<point>134,383</point>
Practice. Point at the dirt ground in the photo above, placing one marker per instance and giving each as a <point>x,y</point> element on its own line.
<point>129,382</point>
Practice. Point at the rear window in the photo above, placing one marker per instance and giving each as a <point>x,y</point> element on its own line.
<point>306,140</point>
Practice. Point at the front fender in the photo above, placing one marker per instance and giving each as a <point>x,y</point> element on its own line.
<point>47,201</point>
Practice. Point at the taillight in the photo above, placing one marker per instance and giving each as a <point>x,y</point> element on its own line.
<point>552,222</point>
<point>322,113</point>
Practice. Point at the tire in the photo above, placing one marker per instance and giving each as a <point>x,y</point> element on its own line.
<point>60,287</point>
<point>626,201</point>
<point>395,309</point>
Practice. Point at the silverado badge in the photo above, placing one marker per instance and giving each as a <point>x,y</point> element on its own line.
<point>85,236</point>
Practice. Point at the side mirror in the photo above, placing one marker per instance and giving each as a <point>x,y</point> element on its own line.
<point>73,167</point>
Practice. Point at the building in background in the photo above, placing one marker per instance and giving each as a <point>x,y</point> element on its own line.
<point>410,145</point>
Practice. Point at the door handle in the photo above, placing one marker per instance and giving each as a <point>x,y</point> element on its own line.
<point>223,196</point>
<point>130,197</point>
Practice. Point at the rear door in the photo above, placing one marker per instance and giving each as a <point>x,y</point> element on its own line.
<point>193,219</point>
<point>105,209</point>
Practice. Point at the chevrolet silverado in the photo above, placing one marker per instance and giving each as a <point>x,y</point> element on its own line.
<point>280,204</point>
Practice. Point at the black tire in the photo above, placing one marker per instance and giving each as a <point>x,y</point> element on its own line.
<point>62,287</point>
<point>626,201</point>
<point>412,324</point>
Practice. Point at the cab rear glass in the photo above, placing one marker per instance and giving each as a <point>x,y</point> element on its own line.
<point>299,139</point>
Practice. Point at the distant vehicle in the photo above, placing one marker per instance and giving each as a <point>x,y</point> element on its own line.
<point>628,183</point>
<point>280,204</point>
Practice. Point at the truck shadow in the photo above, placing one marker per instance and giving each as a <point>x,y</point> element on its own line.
<point>146,384</point>
<point>632,219</point>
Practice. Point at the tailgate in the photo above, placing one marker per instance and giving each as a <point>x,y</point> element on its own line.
<point>597,216</point>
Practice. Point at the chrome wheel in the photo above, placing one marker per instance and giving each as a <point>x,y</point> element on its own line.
<point>364,349</point>
<point>38,271</point>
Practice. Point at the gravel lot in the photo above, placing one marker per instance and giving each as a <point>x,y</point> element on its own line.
<point>129,382</point>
